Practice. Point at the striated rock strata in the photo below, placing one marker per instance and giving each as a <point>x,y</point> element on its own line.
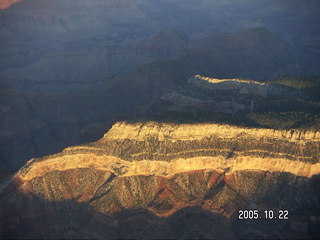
<point>160,180</point>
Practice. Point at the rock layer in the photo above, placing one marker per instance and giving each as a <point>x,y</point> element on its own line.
<point>159,173</point>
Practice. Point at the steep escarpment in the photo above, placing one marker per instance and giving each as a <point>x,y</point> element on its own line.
<point>105,77</point>
<point>155,174</point>
<point>245,87</point>
<point>282,103</point>
<point>165,149</point>
<point>69,47</point>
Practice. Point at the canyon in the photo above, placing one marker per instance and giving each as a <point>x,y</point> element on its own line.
<point>142,119</point>
<point>159,173</point>
<point>96,92</point>
<point>181,168</point>
<point>70,57</point>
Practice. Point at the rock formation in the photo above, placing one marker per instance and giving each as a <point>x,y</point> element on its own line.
<point>71,69</point>
<point>142,176</point>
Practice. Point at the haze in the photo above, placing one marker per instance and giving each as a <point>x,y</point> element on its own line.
<point>70,69</point>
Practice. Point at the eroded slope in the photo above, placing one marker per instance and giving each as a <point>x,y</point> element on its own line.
<point>153,172</point>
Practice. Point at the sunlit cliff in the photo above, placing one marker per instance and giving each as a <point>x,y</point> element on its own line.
<point>166,149</point>
<point>144,119</point>
<point>163,168</point>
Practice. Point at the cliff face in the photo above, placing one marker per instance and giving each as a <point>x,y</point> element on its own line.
<point>66,48</point>
<point>54,54</point>
<point>142,176</point>
<point>245,87</point>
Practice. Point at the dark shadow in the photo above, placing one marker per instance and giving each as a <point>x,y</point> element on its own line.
<point>30,217</point>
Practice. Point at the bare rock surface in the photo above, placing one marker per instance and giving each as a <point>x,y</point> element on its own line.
<point>141,178</point>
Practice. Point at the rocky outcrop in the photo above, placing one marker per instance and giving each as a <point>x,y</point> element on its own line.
<point>149,175</point>
<point>242,86</point>
<point>99,75</point>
